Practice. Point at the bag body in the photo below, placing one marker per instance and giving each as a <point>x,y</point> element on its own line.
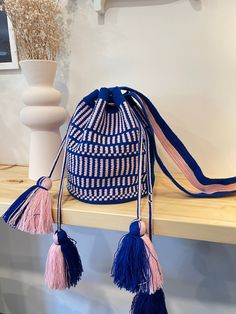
<point>103,149</point>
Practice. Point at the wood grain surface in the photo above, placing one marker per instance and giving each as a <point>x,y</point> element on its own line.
<point>175,214</point>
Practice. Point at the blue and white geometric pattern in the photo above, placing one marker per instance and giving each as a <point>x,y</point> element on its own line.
<point>103,154</point>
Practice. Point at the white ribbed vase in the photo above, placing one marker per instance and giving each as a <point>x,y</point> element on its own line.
<point>43,116</point>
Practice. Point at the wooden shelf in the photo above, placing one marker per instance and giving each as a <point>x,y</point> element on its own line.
<point>175,214</point>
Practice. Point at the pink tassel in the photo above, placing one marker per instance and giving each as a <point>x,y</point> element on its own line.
<point>37,216</point>
<point>13,220</point>
<point>156,276</point>
<point>55,275</point>
<point>63,267</point>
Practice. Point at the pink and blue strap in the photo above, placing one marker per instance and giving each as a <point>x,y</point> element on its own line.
<point>207,187</point>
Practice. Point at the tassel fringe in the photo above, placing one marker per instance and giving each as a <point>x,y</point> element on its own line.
<point>155,273</point>
<point>32,212</point>
<point>55,265</point>
<point>130,268</point>
<point>144,303</point>
<point>63,266</point>
<point>136,267</point>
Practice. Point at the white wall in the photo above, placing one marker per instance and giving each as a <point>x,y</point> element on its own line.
<point>182,54</point>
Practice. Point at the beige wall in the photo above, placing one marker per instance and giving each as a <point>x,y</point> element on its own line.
<point>182,54</point>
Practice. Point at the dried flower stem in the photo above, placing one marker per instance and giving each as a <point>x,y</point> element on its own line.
<point>36,26</point>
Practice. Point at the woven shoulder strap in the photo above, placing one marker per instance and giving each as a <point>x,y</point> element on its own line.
<point>206,187</point>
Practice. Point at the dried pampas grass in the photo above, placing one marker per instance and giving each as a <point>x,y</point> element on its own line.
<point>37,28</point>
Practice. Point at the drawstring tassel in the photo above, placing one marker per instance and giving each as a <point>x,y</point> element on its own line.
<point>130,265</point>
<point>145,303</point>
<point>32,211</point>
<point>136,267</point>
<point>63,266</point>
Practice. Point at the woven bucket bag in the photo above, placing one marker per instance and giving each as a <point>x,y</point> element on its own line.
<point>109,151</point>
<point>103,150</point>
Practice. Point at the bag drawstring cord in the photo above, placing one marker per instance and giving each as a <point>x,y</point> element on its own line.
<point>148,172</point>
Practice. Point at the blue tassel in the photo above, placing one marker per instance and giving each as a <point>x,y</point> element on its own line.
<point>73,264</point>
<point>130,268</point>
<point>144,303</point>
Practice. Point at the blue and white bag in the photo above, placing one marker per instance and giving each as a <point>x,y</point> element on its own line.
<point>109,152</point>
<point>102,149</point>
